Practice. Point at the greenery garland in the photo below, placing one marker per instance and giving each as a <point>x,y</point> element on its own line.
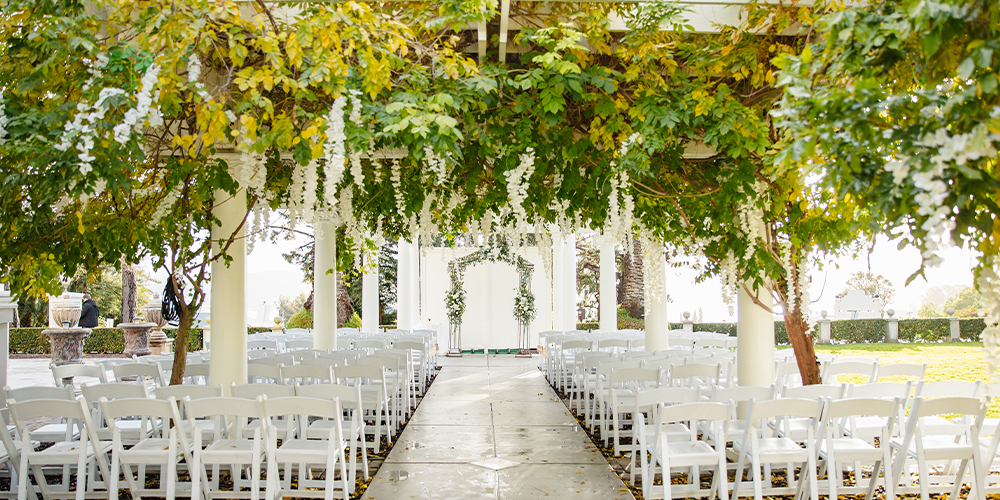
<point>524,302</point>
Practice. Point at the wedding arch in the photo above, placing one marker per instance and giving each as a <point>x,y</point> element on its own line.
<point>524,301</point>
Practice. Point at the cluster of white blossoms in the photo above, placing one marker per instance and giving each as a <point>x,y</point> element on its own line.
<point>517,185</point>
<point>988,285</point>
<point>95,70</point>
<point>944,151</point>
<point>653,263</point>
<point>194,74</point>
<point>80,133</point>
<point>730,277</point>
<point>3,118</point>
<point>334,149</point>
<point>166,206</point>
<point>437,164</point>
<point>797,277</point>
<point>397,186</point>
<point>143,105</point>
<point>751,219</point>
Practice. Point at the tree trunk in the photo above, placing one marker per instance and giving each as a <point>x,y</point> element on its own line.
<point>344,308</point>
<point>130,293</point>
<point>632,277</point>
<point>181,347</point>
<point>802,344</point>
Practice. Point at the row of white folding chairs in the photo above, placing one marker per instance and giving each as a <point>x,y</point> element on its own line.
<point>156,435</point>
<point>866,369</point>
<point>827,430</point>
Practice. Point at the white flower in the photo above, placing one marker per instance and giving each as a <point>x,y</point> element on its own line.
<point>144,102</point>
<point>517,185</point>
<point>334,150</point>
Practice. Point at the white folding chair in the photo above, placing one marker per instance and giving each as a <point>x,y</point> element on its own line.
<point>165,448</point>
<point>697,375</point>
<point>308,454</point>
<point>196,373</point>
<point>375,398</point>
<point>632,381</point>
<point>51,432</point>
<point>671,450</point>
<point>836,447</point>
<point>644,431</point>
<point>865,368</point>
<point>254,391</point>
<point>353,424</point>
<point>926,441</point>
<point>209,427</point>
<point>11,457</point>
<point>132,430</point>
<point>241,455</point>
<point>87,452</point>
<point>763,445</point>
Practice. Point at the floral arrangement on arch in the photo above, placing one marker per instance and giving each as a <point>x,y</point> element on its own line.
<point>524,302</point>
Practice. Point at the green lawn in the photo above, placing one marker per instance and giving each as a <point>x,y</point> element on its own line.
<point>946,361</point>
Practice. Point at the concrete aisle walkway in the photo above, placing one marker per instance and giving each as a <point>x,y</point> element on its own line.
<point>491,428</point>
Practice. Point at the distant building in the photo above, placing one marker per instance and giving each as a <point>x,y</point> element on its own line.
<point>856,304</point>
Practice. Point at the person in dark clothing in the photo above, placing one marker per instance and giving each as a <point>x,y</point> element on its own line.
<point>90,312</point>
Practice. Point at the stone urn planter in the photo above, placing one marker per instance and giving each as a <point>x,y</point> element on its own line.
<point>67,344</point>
<point>159,343</point>
<point>136,338</point>
<point>65,310</point>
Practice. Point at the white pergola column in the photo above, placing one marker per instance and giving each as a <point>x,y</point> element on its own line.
<point>228,358</point>
<point>755,350</point>
<point>558,270</point>
<point>404,292</point>
<point>416,314</point>
<point>7,308</point>
<point>325,287</point>
<point>369,296</point>
<point>607,294</point>
<point>655,307</point>
<point>569,282</point>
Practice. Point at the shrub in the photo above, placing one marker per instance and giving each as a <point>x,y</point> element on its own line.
<point>588,326</point>
<point>302,319</point>
<point>971,328</point>
<point>925,329</point>
<point>29,341</point>
<point>194,337</point>
<point>354,322</point>
<point>727,328</point>
<point>856,331</point>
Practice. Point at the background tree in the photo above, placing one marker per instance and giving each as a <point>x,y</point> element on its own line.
<point>129,298</point>
<point>875,285</point>
<point>288,306</point>
<point>966,303</point>
<point>631,294</point>
<point>588,278</point>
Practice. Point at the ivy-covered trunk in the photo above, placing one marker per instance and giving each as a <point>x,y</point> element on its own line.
<point>802,344</point>
<point>181,345</point>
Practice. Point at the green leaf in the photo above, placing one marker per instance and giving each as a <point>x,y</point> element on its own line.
<point>966,68</point>
<point>807,55</point>
<point>931,42</point>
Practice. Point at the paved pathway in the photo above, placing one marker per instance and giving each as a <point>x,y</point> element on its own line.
<point>491,428</point>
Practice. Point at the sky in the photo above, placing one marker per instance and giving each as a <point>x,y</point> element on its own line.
<point>269,277</point>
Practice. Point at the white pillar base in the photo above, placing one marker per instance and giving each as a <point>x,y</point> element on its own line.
<point>755,351</point>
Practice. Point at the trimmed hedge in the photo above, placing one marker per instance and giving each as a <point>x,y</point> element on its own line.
<point>101,340</point>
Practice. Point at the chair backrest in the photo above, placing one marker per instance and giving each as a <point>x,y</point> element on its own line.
<point>157,415</point>
<point>685,412</point>
<point>281,359</point>
<point>262,344</point>
<point>71,410</point>
<point>66,371</point>
<point>112,391</point>
<point>322,362</point>
<point>689,374</point>
<point>916,371</point>
<point>761,412</point>
<point>291,345</point>
<point>416,346</point>
<point>710,342</point>
<point>681,343</point>
<point>577,344</point>
<point>382,361</point>
<point>839,413</point>
<point>949,388</point>
<point>964,412</point>
<point>636,378</point>
<point>743,393</point>
<point>253,391</point>
<point>350,397</point>
<point>39,392</point>
<point>140,371</point>
<point>881,390</point>
<point>605,367</point>
<point>307,374</point>
<point>863,367</point>
<point>295,406</point>
<point>344,357</point>
<point>182,392</point>
<point>220,409</point>
<point>649,398</point>
<point>196,373</point>
<point>260,372</point>
<point>814,392</point>
<point>359,373</point>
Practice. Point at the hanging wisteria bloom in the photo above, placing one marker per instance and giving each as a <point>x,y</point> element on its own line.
<point>334,149</point>
<point>143,104</point>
